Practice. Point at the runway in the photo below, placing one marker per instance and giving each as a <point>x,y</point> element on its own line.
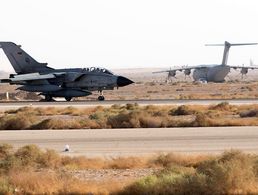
<point>126,142</point>
<point>14,105</point>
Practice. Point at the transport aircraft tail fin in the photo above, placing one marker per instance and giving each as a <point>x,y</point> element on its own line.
<point>227,46</point>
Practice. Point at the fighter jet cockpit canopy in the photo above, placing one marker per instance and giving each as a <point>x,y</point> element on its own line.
<point>97,69</point>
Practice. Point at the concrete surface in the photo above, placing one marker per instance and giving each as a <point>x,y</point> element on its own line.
<point>124,142</point>
<point>79,104</point>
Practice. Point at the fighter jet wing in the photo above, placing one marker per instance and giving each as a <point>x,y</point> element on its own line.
<point>69,77</point>
<point>31,77</point>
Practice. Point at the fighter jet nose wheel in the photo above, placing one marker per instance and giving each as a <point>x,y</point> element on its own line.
<point>68,99</point>
<point>101,98</point>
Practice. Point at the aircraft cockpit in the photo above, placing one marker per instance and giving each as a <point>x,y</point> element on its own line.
<point>96,69</point>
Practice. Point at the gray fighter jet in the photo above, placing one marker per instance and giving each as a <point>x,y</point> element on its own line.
<point>68,83</point>
<point>212,72</point>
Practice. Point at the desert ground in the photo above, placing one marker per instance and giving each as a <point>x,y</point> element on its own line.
<point>31,170</point>
<point>159,152</point>
<point>154,86</point>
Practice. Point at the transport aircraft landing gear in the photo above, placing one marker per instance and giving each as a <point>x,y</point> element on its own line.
<point>68,99</point>
<point>101,97</point>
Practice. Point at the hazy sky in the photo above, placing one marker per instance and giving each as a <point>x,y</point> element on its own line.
<point>127,34</point>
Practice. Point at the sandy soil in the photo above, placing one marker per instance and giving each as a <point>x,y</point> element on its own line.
<point>153,86</point>
<point>118,175</point>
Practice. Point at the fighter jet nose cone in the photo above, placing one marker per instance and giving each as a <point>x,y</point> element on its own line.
<point>122,81</point>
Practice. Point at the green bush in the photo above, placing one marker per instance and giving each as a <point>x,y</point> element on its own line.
<point>231,173</point>
<point>6,187</point>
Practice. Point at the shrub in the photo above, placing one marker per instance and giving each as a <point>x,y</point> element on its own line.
<point>171,159</point>
<point>49,159</point>
<point>201,120</point>
<point>9,162</point>
<point>132,106</point>
<point>231,173</point>
<point>97,116</point>
<point>16,122</point>
<point>168,182</point>
<point>223,106</point>
<point>150,122</point>
<point>181,110</point>
<point>116,106</point>
<point>57,124</point>
<point>26,109</point>
<point>5,186</point>
<point>71,111</point>
<point>125,120</point>
<point>127,163</point>
<point>28,155</point>
<point>82,162</point>
<point>249,113</point>
<point>49,111</point>
<point>32,182</point>
<point>5,150</point>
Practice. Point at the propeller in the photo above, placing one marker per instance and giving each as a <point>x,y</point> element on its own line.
<point>243,71</point>
<point>172,73</point>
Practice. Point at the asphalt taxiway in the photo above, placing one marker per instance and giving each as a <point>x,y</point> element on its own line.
<point>126,142</point>
<point>17,104</point>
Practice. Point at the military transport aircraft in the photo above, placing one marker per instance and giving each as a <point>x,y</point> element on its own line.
<point>211,72</point>
<point>68,83</point>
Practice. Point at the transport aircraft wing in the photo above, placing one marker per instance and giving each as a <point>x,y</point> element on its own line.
<point>186,69</point>
<point>243,66</point>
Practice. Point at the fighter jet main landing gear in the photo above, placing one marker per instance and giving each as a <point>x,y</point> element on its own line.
<point>68,99</point>
<point>101,97</point>
<point>48,98</point>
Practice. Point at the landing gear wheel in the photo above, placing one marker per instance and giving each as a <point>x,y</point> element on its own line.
<point>48,98</point>
<point>101,98</point>
<point>68,99</point>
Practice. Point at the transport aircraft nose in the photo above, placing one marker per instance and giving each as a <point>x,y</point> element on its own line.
<point>122,81</point>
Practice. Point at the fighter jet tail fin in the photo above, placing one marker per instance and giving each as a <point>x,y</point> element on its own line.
<point>20,60</point>
<point>227,46</point>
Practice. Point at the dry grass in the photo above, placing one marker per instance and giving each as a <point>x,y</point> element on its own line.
<point>170,159</point>
<point>17,121</point>
<point>31,182</point>
<point>130,116</point>
<point>29,170</point>
<point>231,173</point>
